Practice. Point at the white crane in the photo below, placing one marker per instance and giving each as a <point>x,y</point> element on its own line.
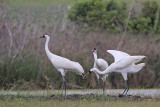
<point>101,65</point>
<point>124,64</point>
<point>62,64</point>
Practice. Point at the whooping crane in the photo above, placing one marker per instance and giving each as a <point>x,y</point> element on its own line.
<point>124,64</point>
<point>62,64</point>
<point>101,65</point>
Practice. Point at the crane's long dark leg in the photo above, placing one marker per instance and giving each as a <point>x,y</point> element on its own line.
<point>104,86</point>
<point>64,86</point>
<point>98,85</point>
<point>127,87</point>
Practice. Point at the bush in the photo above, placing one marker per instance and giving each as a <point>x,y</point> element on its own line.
<point>140,25</point>
<point>112,16</point>
<point>98,13</point>
<point>88,11</point>
<point>149,10</point>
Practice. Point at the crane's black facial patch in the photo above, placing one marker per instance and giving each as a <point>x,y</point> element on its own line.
<point>43,36</point>
<point>94,49</point>
<point>90,72</point>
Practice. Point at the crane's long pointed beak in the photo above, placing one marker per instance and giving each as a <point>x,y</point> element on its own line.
<point>39,37</point>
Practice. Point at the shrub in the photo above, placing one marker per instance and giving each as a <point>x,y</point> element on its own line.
<point>139,25</point>
<point>108,15</point>
<point>112,16</point>
<point>149,10</point>
<point>88,11</point>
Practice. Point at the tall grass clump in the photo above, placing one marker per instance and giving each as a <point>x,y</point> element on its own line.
<point>18,71</point>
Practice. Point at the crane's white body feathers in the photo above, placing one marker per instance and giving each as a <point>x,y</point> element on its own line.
<point>63,63</point>
<point>66,64</point>
<point>123,64</point>
<point>101,65</point>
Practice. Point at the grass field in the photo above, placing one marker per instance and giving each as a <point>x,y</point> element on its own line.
<point>82,103</point>
<point>77,100</point>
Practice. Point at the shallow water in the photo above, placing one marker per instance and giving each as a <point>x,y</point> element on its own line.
<point>142,92</point>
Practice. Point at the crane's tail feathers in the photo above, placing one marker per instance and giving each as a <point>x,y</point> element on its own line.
<point>78,68</point>
<point>137,68</point>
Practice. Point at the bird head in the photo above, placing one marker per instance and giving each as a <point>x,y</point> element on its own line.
<point>44,36</point>
<point>94,50</point>
<point>92,70</point>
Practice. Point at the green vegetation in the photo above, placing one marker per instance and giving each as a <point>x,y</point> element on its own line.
<point>112,16</point>
<point>21,70</point>
<point>74,97</point>
<point>83,103</point>
<point>39,2</point>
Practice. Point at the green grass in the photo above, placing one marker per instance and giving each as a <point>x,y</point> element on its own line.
<point>82,103</point>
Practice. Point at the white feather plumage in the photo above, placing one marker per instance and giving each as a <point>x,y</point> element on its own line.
<point>101,65</point>
<point>62,64</point>
<point>124,64</point>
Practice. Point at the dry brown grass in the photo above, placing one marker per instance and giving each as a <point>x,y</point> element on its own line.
<point>20,28</point>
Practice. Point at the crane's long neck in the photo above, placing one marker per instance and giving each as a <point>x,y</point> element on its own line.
<point>95,57</point>
<point>102,73</point>
<point>46,47</point>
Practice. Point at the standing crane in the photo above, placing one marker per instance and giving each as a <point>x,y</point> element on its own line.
<point>101,65</point>
<point>124,64</point>
<point>62,64</point>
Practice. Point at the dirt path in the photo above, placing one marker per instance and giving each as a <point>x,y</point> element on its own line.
<point>133,92</point>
